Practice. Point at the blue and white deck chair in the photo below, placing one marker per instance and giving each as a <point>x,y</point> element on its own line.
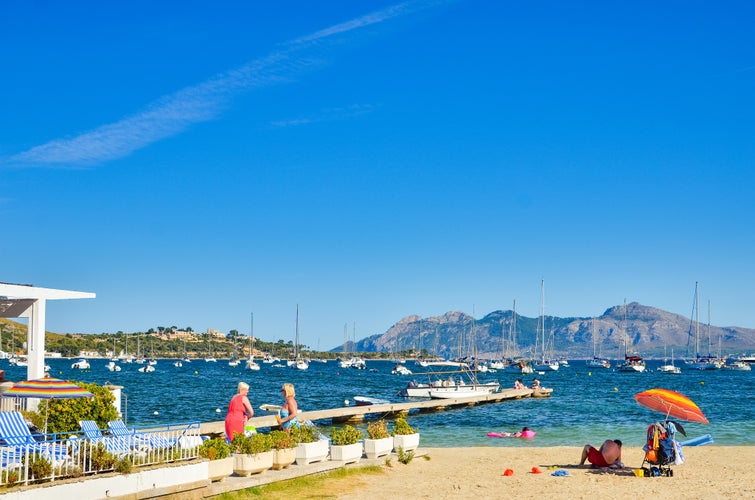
<point>113,444</point>
<point>16,434</point>
<point>119,429</point>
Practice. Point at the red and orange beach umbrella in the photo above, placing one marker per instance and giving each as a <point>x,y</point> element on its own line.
<point>671,404</point>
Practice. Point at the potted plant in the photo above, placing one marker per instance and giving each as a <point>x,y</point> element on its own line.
<point>344,444</point>
<point>284,449</point>
<point>404,435</point>
<point>311,447</point>
<point>378,442</point>
<point>220,465</point>
<point>253,454</point>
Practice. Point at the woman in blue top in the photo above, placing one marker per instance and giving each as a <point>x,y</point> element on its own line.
<point>290,410</point>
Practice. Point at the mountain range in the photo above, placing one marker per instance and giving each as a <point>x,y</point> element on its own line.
<point>632,327</point>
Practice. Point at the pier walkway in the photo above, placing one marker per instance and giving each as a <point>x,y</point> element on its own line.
<point>354,414</point>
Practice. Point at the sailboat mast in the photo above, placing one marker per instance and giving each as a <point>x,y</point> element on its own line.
<point>296,343</point>
<point>697,324</point>
<point>542,315</point>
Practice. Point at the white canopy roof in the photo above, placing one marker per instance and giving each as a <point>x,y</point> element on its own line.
<point>27,301</point>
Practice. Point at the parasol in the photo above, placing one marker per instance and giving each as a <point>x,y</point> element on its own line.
<point>671,404</point>
<point>47,388</point>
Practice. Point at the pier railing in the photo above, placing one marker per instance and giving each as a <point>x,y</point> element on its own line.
<point>55,457</point>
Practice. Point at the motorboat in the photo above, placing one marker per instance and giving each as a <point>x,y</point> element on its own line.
<point>81,364</point>
<point>367,401</point>
<point>419,390</point>
<point>401,370</point>
<point>111,366</point>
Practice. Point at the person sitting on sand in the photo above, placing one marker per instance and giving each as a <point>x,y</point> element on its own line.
<point>609,454</point>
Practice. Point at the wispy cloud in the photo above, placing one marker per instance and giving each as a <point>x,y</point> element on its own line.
<point>327,115</point>
<point>176,112</point>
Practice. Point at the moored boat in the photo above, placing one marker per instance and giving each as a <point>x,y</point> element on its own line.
<point>739,365</point>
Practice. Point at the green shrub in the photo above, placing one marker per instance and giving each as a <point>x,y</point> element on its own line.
<point>405,456</point>
<point>345,435</point>
<point>214,449</point>
<point>402,428</point>
<point>40,468</point>
<point>101,459</point>
<point>305,434</point>
<point>63,415</point>
<point>251,445</point>
<point>282,440</point>
<point>377,430</point>
<point>123,465</point>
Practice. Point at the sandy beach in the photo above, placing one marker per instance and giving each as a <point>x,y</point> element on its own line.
<point>709,472</point>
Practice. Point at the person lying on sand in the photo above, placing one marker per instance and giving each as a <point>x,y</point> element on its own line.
<point>608,455</point>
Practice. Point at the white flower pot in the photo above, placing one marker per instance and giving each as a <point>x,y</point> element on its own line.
<point>407,442</point>
<point>246,465</point>
<point>282,459</point>
<point>347,453</point>
<point>307,453</point>
<point>375,448</point>
<point>220,469</point>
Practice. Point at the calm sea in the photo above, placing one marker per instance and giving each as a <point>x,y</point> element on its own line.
<point>587,406</point>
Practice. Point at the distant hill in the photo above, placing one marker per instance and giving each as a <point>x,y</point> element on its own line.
<point>647,329</point>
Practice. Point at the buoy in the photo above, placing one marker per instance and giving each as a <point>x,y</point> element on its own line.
<point>346,402</point>
<point>155,413</point>
<point>615,388</point>
<point>196,372</point>
<point>702,383</point>
<point>589,374</point>
<point>217,410</point>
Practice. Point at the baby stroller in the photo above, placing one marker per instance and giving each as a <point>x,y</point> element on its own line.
<point>661,450</point>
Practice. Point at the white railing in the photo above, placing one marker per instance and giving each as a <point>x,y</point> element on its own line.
<point>75,456</point>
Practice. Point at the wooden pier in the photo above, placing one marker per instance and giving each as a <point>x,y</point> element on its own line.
<point>355,414</point>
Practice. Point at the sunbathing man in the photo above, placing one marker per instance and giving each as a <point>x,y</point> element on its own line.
<point>608,454</point>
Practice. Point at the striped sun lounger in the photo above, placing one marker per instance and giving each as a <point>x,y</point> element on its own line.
<point>15,434</point>
<point>119,429</point>
<point>113,444</point>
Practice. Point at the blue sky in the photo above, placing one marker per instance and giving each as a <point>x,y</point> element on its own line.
<point>194,163</point>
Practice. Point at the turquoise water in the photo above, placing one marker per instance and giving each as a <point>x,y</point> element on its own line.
<point>588,405</point>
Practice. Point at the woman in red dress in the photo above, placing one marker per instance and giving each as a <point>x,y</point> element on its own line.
<point>238,409</point>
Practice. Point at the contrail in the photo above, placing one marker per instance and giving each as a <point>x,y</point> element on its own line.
<point>176,112</point>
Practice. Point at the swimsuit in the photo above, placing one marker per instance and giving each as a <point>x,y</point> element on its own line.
<point>596,458</point>
<point>294,422</point>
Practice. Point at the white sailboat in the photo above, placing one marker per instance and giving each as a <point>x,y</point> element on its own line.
<point>597,361</point>
<point>234,361</point>
<point>700,362</point>
<point>633,363</point>
<point>210,358</point>
<point>139,357</point>
<point>125,356</point>
<point>515,363</point>
<point>667,368</point>
<point>186,358</point>
<point>544,364</point>
<point>250,363</point>
<point>297,362</point>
